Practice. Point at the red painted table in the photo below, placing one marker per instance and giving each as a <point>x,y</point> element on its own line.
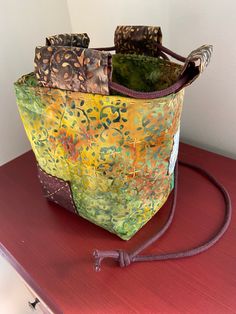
<point>51,248</point>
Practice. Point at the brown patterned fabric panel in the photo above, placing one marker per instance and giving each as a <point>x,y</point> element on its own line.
<point>71,40</point>
<point>73,68</point>
<point>200,58</point>
<point>137,39</point>
<point>56,190</point>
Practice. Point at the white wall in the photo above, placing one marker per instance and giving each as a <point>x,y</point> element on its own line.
<point>209,117</point>
<point>209,111</point>
<point>23,25</point>
<point>100,18</point>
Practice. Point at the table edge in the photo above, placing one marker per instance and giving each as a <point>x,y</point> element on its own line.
<point>29,280</point>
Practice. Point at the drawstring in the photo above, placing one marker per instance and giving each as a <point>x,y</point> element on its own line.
<point>183,80</point>
<point>125,258</point>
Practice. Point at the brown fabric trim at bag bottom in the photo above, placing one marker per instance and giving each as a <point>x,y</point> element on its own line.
<point>56,190</point>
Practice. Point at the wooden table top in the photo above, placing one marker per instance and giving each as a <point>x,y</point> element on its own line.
<point>51,248</point>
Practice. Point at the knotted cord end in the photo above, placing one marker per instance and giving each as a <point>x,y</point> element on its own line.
<point>121,256</point>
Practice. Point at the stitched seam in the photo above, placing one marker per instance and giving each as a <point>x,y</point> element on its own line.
<point>49,195</point>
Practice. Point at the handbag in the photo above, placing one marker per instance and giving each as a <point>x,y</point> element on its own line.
<point>105,130</point>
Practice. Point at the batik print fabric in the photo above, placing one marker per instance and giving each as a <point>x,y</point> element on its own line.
<point>114,151</point>
<point>137,39</point>
<point>70,40</point>
<point>73,68</point>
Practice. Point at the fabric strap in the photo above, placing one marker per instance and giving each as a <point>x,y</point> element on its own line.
<point>126,258</point>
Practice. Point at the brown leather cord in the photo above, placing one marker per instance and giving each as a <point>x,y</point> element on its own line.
<point>170,53</point>
<point>183,80</point>
<point>163,55</point>
<point>151,95</point>
<point>160,53</point>
<point>105,48</point>
<point>159,46</point>
<point>125,258</point>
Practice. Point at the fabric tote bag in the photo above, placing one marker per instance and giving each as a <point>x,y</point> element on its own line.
<point>104,127</point>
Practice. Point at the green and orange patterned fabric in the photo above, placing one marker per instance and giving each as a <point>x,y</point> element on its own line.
<point>114,151</point>
<point>105,156</point>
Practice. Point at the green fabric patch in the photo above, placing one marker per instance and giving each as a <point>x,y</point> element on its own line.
<point>143,73</point>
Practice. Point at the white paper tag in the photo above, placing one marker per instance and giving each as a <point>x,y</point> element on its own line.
<point>174,153</point>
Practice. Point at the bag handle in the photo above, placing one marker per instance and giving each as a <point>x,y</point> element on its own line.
<point>194,65</point>
<point>125,258</point>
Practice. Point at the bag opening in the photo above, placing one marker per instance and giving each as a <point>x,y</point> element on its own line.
<point>144,73</point>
